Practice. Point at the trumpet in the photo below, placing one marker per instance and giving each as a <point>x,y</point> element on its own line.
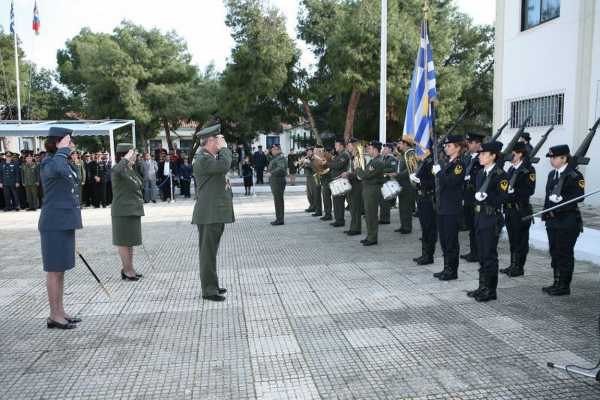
<point>320,165</point>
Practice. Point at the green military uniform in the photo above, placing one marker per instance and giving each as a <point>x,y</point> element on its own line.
<point>355,200</point>
<point>278,170</point>
<point>128,204</point>
<point>326,194</point>
<point>30,178</point>
<point>407,197</point>
<point>317,198</point>
<point>390,165</point>
<point>80,170</point>
<point>338,165</point>
<point>310,186</point>
<point>213,209</point>
<point>372,179</point>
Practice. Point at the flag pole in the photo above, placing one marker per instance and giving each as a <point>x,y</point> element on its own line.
<point>16,62</point>
<point>383,74</point>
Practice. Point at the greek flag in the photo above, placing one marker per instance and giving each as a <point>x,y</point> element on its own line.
<point>12,17</point>
<point>419,121</point>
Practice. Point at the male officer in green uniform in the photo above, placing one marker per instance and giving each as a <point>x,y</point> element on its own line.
<point>407,197</point>
<point>390,165</point>
<point>356,200</point>
<point>213,208</point>
<point>310,181</point>
<point>277,172</point>
<point>338,165</point>
<point>30,177</point>
<point>372,179</point>
<point>317,197</point>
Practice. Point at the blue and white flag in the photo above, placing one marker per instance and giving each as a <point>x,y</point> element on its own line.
<point>12,17</point>
<point>418,122</point>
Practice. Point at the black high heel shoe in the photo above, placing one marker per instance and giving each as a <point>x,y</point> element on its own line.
<point>129,278</point>
<point>51,324</point>
<point>73,320</point>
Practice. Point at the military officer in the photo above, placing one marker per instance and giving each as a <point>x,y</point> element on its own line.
<point>338,165</point>
<point>491,191</point>
<point>99,172</point>
<point>563,225</point>
<point>521,178</point>
<point>277,172</point>
<point>356,195</point>
<point>213,208</point>
<point>310,182</point>
<point>372,179</point>
<point>326,191</point>
<point>318,198</point>
<point>425,183</point>
<point>450,178</point>
<point>80,168</point>
<point>10,181</point>
<point>407,197</point>
<point>30,177</point>
<point>472,168</point>
<point>390,165</point>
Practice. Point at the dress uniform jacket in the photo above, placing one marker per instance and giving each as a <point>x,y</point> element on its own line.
<point>488,211</point>
<point>127,187</point>
<point>214,202</point>
<point>372,179</point>
<point>10,173</point>
<point>30,174</point>
<point>573,186</point>
<point>451,179</point>
<point>278,169</point>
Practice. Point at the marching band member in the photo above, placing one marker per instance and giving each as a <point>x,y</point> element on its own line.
<point>317,195</point>
<point>390,165</point>
<point>407,197</point>
<point>338,165</point>
<point>356,197</point>
<point>372,179</point>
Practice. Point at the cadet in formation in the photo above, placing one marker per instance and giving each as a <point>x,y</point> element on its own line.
<point>127,209</point>
<point>472,168</point>
<point>406,197</point>
<point>563,225</point>
<point>338,165</point>
<point>59,218</point>
<point>450,178</point>
<point>213,208</point>
<point>325,179</point>
<point>277,173</point>
<point>356,193</point>
<point>372,179</point>
<point>390,165</point>
<point>491,190</point>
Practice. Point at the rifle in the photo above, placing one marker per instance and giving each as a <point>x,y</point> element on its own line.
<point>507,152</point>
<point>538,146</point>
<point>499,131</point>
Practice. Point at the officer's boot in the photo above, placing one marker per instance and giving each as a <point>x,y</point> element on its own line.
<point>427,257</point>
<point>511,266</point>
<point>445,270</point>
<point>473,293</point>
<point>547,289</point>
<point>517,268</point>
<point>489,291</point>
<point>450,273</point>
<point>564,284</point>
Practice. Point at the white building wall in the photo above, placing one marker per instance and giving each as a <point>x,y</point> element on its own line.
<point>593,171</point>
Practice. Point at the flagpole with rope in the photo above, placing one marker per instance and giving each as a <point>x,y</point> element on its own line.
<point>14,32</point>
<point>383,75</point>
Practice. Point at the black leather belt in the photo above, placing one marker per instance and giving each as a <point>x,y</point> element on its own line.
<point>488,210</point>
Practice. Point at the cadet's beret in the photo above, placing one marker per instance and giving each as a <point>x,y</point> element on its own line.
<point>210,131</point>
<point>390,145</point>
<point>376,144</point>
<point>56,131</point>
<point>520,147</point>
<point>318,146</point>
<point>454,139</point>
<point>409,140</point>
<point>124,147</point>
<point>560,150</point>
<point>353,140</point>
<point>492,147</point>
<point>526,136</point>
<point>474,137</point>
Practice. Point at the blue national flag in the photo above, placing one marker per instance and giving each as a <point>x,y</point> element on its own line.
<point>419,121</point>
<point>12,17</point>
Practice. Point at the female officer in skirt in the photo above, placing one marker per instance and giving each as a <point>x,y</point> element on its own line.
<point>59,218</point>
<point>127,209</point>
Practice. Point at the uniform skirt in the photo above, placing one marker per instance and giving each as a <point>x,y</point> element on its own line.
<point>127,231</point>
<point>58,250</point>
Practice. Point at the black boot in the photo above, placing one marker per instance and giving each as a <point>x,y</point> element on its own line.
<point>451,273</point>
<point>442,272</point>
<point>426,257</point>
<point>511,266</point>
<point>474,293</point>
<point>489,291</point>
<point>555,284</point>
<point>517,268</point>
<point>564,284</point>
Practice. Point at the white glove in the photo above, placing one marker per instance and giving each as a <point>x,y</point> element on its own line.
<point>481,196</point>
<point>555,198</point>
<point>467,178</point>
<point>413,177</point>
<point>511,190</point>
<point>435,169</point>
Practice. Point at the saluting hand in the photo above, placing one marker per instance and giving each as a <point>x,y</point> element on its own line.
<point>413,177</point>
<point>65,142</point>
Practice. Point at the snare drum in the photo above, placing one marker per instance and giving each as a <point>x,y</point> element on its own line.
<point>390,189</point>
<point>340,187</point>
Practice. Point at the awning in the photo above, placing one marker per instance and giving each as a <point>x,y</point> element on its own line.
<point>80,128</point>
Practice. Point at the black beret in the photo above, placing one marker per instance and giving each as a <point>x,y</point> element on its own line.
<point>340,141</point>
<point>520,147</point>
<point>560,150</point>
<point>454,139</point>
<point>353,140</point>
<point>526,136</point>
<point>319,146</point>
<point>473,136</point>
<point>390,145</point>
<point>56,131</point>
<point>376,144</point>
<point>492,147</point>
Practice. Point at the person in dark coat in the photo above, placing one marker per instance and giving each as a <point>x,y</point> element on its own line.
<point>10,181</point>
<point>185,177</point>
<point>98,173</point>
<point>247,173</point>
<point>260,162</point>
<point>60,217</point>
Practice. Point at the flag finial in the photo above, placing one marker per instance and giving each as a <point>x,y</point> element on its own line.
<point>426,9</point>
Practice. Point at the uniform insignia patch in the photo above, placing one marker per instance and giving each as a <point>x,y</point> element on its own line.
<point>532,177</point>
<point>581,183</point>
<point>458,170</point>
<point>504,185</point>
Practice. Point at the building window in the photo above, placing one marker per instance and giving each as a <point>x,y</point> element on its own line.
<point>155,145</point>
<point>535,12</point>
<point>544,111</point>
<point>185,144</point>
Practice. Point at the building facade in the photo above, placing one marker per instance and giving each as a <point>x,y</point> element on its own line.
<point>547,66</point>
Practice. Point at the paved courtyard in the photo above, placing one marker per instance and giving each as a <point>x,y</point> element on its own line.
<point>310,314</point>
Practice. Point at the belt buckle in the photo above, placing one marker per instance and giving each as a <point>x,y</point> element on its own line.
<point>477,208</point>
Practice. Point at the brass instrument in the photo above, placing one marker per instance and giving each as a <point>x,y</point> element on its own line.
<point>410,159</point>
<point>321,164</point>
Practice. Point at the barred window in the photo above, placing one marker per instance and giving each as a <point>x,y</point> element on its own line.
<point>544,111</point>
<point>536,12</point>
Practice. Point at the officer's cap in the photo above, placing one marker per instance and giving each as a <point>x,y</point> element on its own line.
<point>560,150</point>
<point>318,146</point>
<point>526,136</point>
<point>352,140</point>
<point>376,144</point>
<point>124,147</point>
<point>520,147</point>
<point>474,137</point>
<point>57,131</point>
<point>207,132</point>
<point>454,139</point>
<point>491,147</point>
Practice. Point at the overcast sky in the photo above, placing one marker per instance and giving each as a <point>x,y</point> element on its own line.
<point>199,22</point>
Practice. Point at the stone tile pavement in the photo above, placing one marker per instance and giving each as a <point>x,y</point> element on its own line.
<point>310,314</point>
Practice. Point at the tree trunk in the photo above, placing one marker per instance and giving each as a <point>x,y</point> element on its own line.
<point>168,135</point>
<point>351,113</point>
<point>311,121</point>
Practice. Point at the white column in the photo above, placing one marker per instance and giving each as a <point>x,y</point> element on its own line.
<point>383,74</point>
<point>112,146</point>
<point>133,133</point>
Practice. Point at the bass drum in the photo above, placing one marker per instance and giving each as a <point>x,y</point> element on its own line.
<point>390,190</point>
<point>340,187</point>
